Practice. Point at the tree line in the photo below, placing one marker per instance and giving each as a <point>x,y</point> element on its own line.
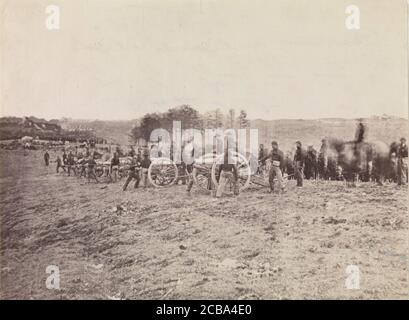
<point>189,118</point>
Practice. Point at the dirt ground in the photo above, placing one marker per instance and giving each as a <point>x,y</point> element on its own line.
<point>164,243</point>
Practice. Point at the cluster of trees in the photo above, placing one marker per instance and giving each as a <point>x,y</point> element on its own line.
<point>189,118</point>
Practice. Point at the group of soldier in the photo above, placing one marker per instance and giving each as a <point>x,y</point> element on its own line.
<point>75,163</point>
<point>310,164</point>
<point>78,164</point>
<point>307,164</point>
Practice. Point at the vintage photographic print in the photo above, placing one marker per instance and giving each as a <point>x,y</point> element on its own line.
<point>204,149</point>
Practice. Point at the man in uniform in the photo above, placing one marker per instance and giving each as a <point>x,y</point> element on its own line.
<point>91,164</point>
<point>227,173</point>
<point>64,158</point>
<point>59,164</point>
<point>261,155</point>
<point>323,160</point>
<point>114,167</point>
<point>46,158</point>
<point>277,162</point>
<point>299,159</point>
<point>145,164</point>
<point>311,163</point>
<point>82,166</point>
<point>134,172</point>
<point>71,163</point>
<point>402,154</point>
<point>360,132</point>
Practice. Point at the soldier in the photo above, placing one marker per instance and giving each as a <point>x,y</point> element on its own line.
<point>277,162</point>
<point>323,160</point>
<point>299,159</point>
<point>145,164</point>
<point>46,158</point>
<point>114,167</point>
<point>360,132</point>
<point>71,163</point>
<point>261,155</point>
<point>261,152</point>
<point>189,156</point>
<point>82,167</point>
<point>59,164</point>
<point>91,163</point>
<point>402,154</point>
<point>134,172</point>
<point>311,163</point>
<point>64,158</point>
<point>227,173</point>
<point>288,167</point>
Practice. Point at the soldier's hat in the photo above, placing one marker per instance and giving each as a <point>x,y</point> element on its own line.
<point>274,143</point>
<point>298,142</point>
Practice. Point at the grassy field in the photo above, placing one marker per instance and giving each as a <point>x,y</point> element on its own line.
<point>165,243</point>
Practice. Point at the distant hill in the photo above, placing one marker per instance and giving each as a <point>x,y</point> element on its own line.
<point>285,131</point>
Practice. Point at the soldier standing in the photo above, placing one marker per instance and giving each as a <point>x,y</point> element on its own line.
<point>59,164</point>
<point>46,158</point>
<point>227,173</point>
<point>299,160</point>
<point>277,162</point>
<point>311,163</point>
<point>114,167</point>
<point>402,154</point>
<point>71,163</point>
<point>91,163</point>
<point>64,158</point>
<point>360,132</point>
<point>145,164</point>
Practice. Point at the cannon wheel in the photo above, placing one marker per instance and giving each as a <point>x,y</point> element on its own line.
<point>162,172</point>
<point>243,171</point>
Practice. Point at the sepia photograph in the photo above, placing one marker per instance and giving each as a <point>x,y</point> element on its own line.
<point>179,150</point>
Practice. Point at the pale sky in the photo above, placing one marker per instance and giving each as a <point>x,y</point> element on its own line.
<point>118,59</point>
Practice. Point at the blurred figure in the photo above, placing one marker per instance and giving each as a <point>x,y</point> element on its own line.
<point>114,167</point>
<point>360,132</point>
<point>46,158</point>
<point>71,164</point>
<point>227,174</point>
<point>261,155</point>
<point>64,158</point>
<point>59,164</point>
<point>402,155</point>
<point>134,172</point>
<point>299,159</point>
<point>91,164</point>
<point>145,164</point>
<point>310,170</point>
